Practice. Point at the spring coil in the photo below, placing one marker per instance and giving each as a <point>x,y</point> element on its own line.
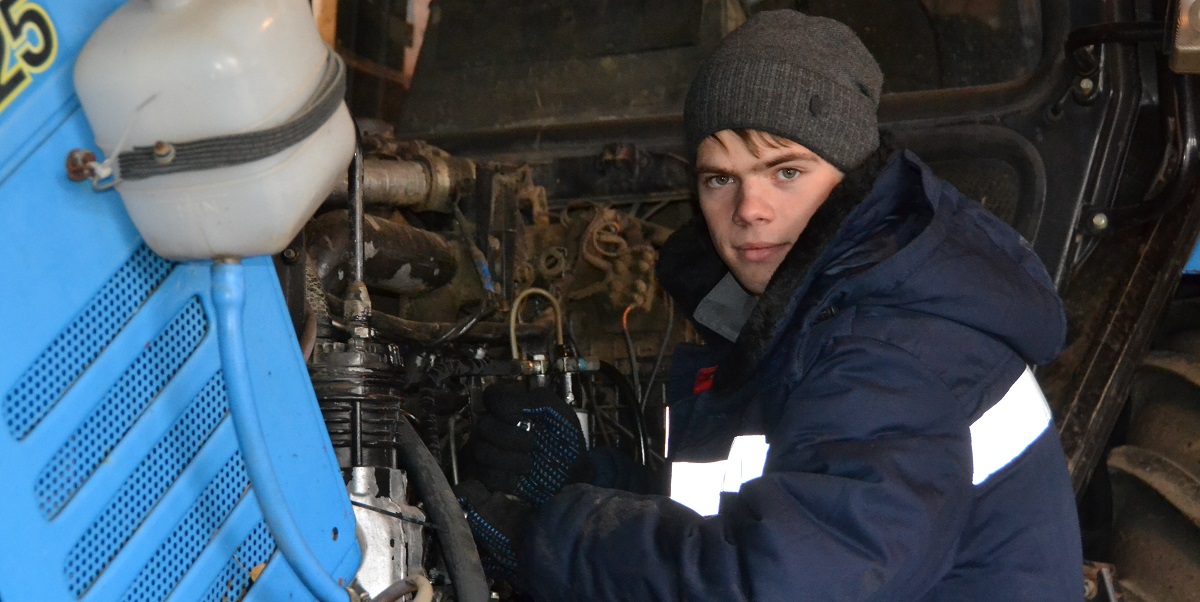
<point>362,400</point>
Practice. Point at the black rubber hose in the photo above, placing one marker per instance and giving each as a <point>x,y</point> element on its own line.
<point>462,558</point>
<point>1114,33</point>
<point>1087,62</point>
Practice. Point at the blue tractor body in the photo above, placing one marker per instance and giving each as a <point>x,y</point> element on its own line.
<point>121,472</point>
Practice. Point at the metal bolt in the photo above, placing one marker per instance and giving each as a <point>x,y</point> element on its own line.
<point>1100,221</point>
<point>290,255</point>
<point>1087,86</point>
<point>79,164</point>
<point>164,152</point>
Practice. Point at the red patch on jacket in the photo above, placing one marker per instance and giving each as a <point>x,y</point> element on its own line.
<point>704,380</point>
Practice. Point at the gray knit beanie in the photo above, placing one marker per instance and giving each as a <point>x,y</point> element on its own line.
<point>808,79</point>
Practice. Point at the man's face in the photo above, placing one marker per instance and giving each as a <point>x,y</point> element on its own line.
<point>756,201</point>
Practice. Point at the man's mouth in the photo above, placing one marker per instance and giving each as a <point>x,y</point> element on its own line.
<point>759,251</point>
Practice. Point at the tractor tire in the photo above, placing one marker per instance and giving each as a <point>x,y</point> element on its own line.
<point>1155,472</point>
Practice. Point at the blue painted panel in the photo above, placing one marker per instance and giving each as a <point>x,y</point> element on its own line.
<point>37,98</point>
<point>118,460</point>
<point>1193,263</point>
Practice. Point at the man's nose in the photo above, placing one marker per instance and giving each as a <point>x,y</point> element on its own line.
<point>752,204</point>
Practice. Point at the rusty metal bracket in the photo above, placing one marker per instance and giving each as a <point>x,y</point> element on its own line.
<point>1100,582</point>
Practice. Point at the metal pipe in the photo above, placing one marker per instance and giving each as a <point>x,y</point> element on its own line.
<point>424,183</point>
<point>356,237</point>
<point>404,260</point>
<point>625,391</point>
<point>356,441</point>
<point>355,196</point>
<point>389,182</point>
<point>398,329</point>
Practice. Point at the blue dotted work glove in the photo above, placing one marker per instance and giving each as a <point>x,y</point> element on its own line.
<point>498,523</point>
<point>528,442</point>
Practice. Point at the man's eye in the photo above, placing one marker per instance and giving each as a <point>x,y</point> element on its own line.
<point>718,181</point>
<point>789,173</point>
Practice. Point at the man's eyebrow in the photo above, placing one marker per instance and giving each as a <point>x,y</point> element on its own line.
<point>786,157</point>
<point>709,168</point>
<point>764,164</point>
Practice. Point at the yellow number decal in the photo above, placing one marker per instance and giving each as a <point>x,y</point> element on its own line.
<point>28,46</point>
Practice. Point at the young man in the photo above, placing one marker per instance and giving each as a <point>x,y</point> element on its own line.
<point>872,332</point>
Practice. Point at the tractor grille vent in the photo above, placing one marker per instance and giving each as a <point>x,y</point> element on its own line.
<point>125,401</point>
<point>176,554</point>
<point>162,467</point>
<point>234,579</point>
<point>44,383</point>
<point>169,523</point>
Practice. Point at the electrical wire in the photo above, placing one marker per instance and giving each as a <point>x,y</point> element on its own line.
<point>485,282</point>
<point>229,299</point>
<point>407,519</point>
<point>516,309</point>
<point>452,435</point>
<point>662,351</point>
<point>633,363</point>
<point>625,390</point>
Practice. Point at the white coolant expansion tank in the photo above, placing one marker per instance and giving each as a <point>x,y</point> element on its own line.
<point>229,74</point>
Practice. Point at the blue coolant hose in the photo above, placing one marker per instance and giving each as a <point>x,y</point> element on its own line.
<point>229,297</point>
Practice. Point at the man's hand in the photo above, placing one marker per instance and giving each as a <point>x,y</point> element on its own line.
<point>498,523</point>
<point>528,443</point>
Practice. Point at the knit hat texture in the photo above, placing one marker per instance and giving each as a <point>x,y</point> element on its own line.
<point>808,79</point>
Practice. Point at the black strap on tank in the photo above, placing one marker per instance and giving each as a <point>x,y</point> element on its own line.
<point>163,158</point>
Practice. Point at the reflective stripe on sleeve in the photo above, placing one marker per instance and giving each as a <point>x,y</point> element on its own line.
<point>698,485</point>
<point>998,437</point>
<point>1006,430</point>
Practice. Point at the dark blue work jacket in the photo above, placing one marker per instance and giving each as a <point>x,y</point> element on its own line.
<point>909,454</point>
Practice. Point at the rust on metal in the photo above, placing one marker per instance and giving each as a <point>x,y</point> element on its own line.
<point>79,165</point>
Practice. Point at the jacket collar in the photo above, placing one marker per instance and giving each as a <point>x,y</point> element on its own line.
<point>726,308</point>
